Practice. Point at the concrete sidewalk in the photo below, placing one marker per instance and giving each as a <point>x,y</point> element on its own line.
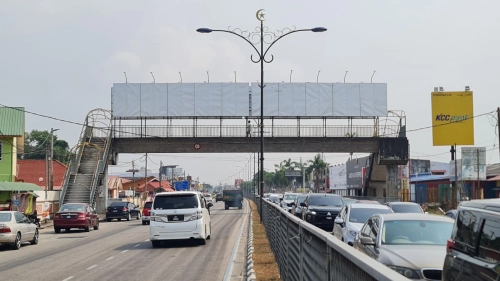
<point>50,223</point>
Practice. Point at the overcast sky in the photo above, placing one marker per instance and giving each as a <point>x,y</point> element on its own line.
<point>60,58</point>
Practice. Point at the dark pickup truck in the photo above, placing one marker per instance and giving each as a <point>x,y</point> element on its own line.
<point>321,210</point>
<point>232,198</point>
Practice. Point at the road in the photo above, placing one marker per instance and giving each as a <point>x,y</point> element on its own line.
<point>122,251</point>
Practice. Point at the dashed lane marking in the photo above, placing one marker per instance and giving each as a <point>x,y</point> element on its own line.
<point>110,258</point>
<point>124,251</point>
<point>137,245</point>
<point>146,240</point>
<point>92,266</point>
<point>69,278</point>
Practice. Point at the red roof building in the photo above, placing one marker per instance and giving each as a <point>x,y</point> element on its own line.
<point>153,185</point>
<point>32,170</point>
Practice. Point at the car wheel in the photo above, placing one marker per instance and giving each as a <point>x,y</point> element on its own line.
<point>17,242</point>
<point>67,229</point>
<point>57,230</point>
<point>108,220</point>
<point>138,216</point>
<point>128,217</point>
<point>144,222</point>
<point>119,219</point>
<point>156,244</point>
<point>96,227</point>
<point>35,238</point>
<point>202,241</point>
<point>87,228</point>
<point>149,222</point>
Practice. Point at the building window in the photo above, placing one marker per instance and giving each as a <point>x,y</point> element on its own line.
<point>1,150</point>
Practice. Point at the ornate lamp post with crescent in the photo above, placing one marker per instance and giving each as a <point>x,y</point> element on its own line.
<point>260,36</point>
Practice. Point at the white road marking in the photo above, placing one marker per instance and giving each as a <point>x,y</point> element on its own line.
<point>71,277</point>
<point>92,266</point>
<point>137,245</point>
<point>124,251</point>
<point>110,258</point>
<point>146,240</point>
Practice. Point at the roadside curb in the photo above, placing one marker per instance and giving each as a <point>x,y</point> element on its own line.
<point>250,272</point>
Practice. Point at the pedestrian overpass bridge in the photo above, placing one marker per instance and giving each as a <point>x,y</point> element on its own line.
<point>131,126</point>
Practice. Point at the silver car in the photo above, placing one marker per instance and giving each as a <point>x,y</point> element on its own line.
<point>352,217</point>
<point>414,245</point>
<point>16,228</point>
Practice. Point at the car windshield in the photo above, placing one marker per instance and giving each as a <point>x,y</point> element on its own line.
<point>181,201</point>
<point>274,198</point>
<point>5,217</point>
<point>72,208</point>
<point>361,215</point>
<point>301,198</point>
<point>208,195</point>
<point>326,201</point>
<point>148,205</point>
<point>416,232</point>
<point>290,197</point>
<point>406,208</point>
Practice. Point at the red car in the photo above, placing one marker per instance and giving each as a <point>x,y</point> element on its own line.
<point>76,215</point>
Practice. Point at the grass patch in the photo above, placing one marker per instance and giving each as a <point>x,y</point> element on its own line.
<point>265,265</point>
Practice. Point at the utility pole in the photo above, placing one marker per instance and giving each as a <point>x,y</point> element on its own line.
<point>498,127</point>
<point>159,174</point>
<point>133,174</point>
<point>454,202</point>
<point>51,160</point>
<point>145,176</point>
<point>478,182</point>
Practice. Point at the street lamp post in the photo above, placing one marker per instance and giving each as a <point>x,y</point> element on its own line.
<point>261,34</point>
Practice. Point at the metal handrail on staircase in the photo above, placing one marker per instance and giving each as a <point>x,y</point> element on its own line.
<point>100,168</point>
<point>74,164</point>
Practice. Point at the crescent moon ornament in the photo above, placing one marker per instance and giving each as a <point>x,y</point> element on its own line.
<point>260,15</point>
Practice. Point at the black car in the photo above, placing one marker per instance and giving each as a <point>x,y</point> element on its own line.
<point>321,210</point>
<point>473,251</point>
<point>122,210</point>
<point>219,197</point>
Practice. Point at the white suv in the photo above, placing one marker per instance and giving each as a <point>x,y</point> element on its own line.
<point>179,215</point>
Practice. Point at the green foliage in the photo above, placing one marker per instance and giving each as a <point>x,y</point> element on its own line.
<point>36,143</point>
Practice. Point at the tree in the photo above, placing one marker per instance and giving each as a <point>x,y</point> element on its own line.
<point>301,166</point>
<point>37,143</point>
<point>317,165</point>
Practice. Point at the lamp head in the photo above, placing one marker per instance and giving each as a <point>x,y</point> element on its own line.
<point>204,30</point>
<point>319,29</point>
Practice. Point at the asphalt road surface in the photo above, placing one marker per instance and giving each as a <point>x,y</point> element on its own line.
<point>122,251</point>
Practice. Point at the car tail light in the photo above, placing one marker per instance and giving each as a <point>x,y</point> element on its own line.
<point>450,244</point>
<point>124,209</point>
<point>146,212</point>
<point>4,228</point>
<point>196,216</point>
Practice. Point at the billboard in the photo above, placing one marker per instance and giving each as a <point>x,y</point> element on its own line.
<point>419,167</point>
<point>473,163</point>
<point>452,118</point>
<point>458,163</point>
<point>355,170</point>
<point>234,100</point>
<point>338,179</point>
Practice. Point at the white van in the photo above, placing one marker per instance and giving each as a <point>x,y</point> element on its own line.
<point>179,215</point>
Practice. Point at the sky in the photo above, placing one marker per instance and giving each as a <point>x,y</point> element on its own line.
<point>60,59</point>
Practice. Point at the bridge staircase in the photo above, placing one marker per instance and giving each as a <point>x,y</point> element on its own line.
<point>88,160</point>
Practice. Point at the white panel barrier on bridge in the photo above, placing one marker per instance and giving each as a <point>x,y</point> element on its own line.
<point>236,100</point>
<point>304,252</point>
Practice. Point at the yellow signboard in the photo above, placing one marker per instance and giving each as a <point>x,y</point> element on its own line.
<point>452,118</point>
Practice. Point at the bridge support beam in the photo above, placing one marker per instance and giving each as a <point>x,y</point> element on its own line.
<point>392,181</point>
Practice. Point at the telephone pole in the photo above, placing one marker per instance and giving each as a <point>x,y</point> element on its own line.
<point>159,175</point>
<point>51,160</point>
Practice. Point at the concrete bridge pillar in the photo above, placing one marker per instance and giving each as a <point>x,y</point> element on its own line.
<point>392,181</point>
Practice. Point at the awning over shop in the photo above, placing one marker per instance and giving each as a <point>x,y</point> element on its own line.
<point>19,186</point>
<point>497,178</point>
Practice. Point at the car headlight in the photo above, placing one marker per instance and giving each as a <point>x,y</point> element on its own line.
<point>407,272</point>
<point>311,212</point>
<point>352,232</point>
